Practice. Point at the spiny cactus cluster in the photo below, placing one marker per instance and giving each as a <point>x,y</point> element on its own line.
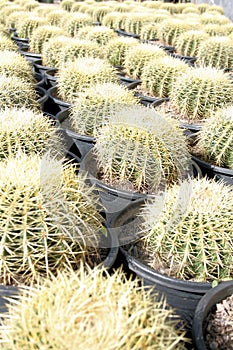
<point>41,35</point>
<point>18,127</point>
<point>7,44</point>
<point>99,34</point>
<point>216,51</point>
<point>207,18</point>
<point>188,43</point>
<point>114,20</point>
<point>79,74</point>
<point>194,242</point>
<point>137,57</point>
<point>216,138</point>
<point>55,17</point>
<point>51,50</point>
<point>200,90</point>
<point>115,49</point>
<point>28,24</point>
<point>94,105</point>
<point>149,31</point>
<point>159,74</point>
<point>65,310</point>
<point>170,30</point>
<point>75,21</point>
<point>135,21</point>
<point>48,218</point>
<point>140,147</point>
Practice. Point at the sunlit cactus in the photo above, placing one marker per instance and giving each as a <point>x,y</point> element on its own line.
<point>75,21</point>
<point>135,22</point>
<point>43,34</point>
<point>116,49</point>
<point>51,51</point>
<point>188,43</point>
<point>7,44</point>
<point>149,31</point>
<point>207,18</point>
<point>28,24</point>
<point>67,4</point>
<point>115,20</point>
<point>170,30</point>
<point>99,34</point>
<point>56,17</point>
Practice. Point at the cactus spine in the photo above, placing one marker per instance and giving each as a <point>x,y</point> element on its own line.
<point>99,34</point>
<point>41,35</point>
<point>188,43</point>
<point>116,49</point>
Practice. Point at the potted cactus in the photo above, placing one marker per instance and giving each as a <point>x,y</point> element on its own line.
<point>99,34</point>
<point>188,43</point>
<point>74,22</point>
<point>41,35</point>
<point>92,307</point>
<point>116,49</point>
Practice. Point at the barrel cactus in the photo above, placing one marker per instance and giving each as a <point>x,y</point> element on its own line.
<point>28,24</point>
<point>99,34</point>
<point>196,245</point>
<point>188,43</point>
<point>159,74</point>
<point>136,58</point>
<point>139,147</point>
<point>67,4</point>
<point>18,127</point>
<point>43,34</point>
<point>216,138</point>
<point>199,91</point>
<point>75,21</point>
<point>149,31</point>
<point>207,18</point>
<point>101,308</point>
<point>217,52</point>
<point>135,22</point>
<point>48,218</point>
<point>51,50</point>
<point>7,44</point>
<point>93,106</point>
<point>76,76</point>
<point>116,49</point>
<point>56,17</point>
<point>115,20</point>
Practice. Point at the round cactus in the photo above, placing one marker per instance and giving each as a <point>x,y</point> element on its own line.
<point>56,17</point>
<point>30,6</point>
<point>139,147</point>
<point>207,18</point>
<point>6,11</point>
<point>14,92</point>
<point>114,20</point>
<point>135,22</point>
<point>67,4</point>
<point>216,8</point>
<point>203,7</point>
<point>217,52</point>
<point>188,43</point>
<point>77,310</point>
<point>28,24</point>
<point>100,11</point>
<point>215,29</point>
<point>7,44</point>
<point>51,50</point>
<point>199,91</point>
<point>198,246</point>
<point>75,21</point>
<point>99,34</point>
<point>149,31</point>
<point>18,127</point>
<point>115,49</point>
<point>216,138</point>
<point>13,64</point>
<point>170,30</point>
<point>12,21</point>
<point>48,218</point>
<point>41,35</point>
<point>137,57</point>
<point>76,76</point>
<point>159,74</point>
<point>93,106</point>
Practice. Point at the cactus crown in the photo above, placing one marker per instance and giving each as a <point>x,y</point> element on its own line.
<point>188,43</point>
<point>100,306</point>
<point>159,74</point>
<point>200,90</point>
<point>18,127</point>
<point>76,76</point>
<point>16,92</point>
<point>216,138</point>
<point>56,17</point>
<point>45,225</point>
<point>43,34</point>
<point>13,64</point>
<point>99,34</point>
<point>28,24</point>
<point>75,21</point>
<point>51,50</point>
<point>136,58</point>
<point>99,12</point>
<point>139,147</point>
<point>215,29</point>
<point>116,48</point>
<point>198,244</point>
<point>94,105</point>
<point>217,52</point>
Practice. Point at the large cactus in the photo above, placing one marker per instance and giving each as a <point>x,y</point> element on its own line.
<point>99,34</point>
<point>195,243</point>
<point>188,43</point>
<point>43,34</point>
<point>116,49</point>
<point>170,30</point>
<point>75,21</point>
<point>28,24</point>
<point>51,51</point>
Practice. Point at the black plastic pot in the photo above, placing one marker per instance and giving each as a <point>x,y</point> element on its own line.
<point>19,41</point>
<point>6,292</point>
<point>121,32</point>
<point>50,76</point>
<point>43,96</point>
<point>188,59</point>
<point>130,83</point>
<point>60,104</point>
<point>40,68</point>
<point>205,306</point>
<point>29,56</point>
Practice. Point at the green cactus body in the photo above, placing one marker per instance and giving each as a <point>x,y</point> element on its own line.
<point>115,20</point>
<point>207,18</point>
<point>137,57</point>
<point>115,49</point>
<point>99,34</point>
<point>158,75</point>
<point>216,138</point>
<point>203,7</point>
<point>188,43</point>
<point>149,31</point>
<point>13,64</point>
<point>216,8</point>
<point>44,225</point>
<point>14,92</point>
<point>93,106</point>
<point>14,18</point>
<point>199,91</point>
<point>77,75</point>
<point>135,22</point>
<point>140,147</point>
<point>190,9</point>
<point>65,310</point>
<point>67,4</point>
<point>7,44</point>
<point>217,52</point>
<point>18,127</point>
<point>215,29</point>
<point>51,51</point>
<point>170,30</point>
<point>198,243</point>
<point>43,34</point>
<point>75,21</point>
<point>100,12</point>
<point>27,25</point>
<point>56,17</point>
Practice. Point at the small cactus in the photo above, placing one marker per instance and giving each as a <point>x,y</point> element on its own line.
<point>48,218</point>
<point>99,34</point>
<point>138,146</point>
<point>216,138</point>
<point>7,44</point>
<point>150,31</point>
<point>188,43</point>
<point>75,21</point>
<point>78,310</point>
<point>136,58</point>
<point>67,5</point>
<point>135,22</point>
<point>197,244</point>
<point>215,29</point>
<point>199,91</point>
<point>18,127</point>
<point>114,20</point>
<point>159,74</point>
<point>115,49</point>
<point>56,17</point>
<point>217,52</point>
<point>93,106</point>
<point>76,76</point>
<point>28,24</point>
<point>43,34</point>
<point>51,51</point>
<point>99,12</point>
<point>170,30</point>
<point>207,18</point>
